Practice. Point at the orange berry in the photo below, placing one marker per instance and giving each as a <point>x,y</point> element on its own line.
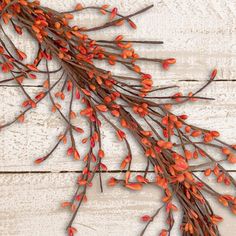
<point>225,151</point>
<point>232,158</point>
<point>134,186</point>
<point>213,74</point>
<point>196,133</point>
<point>207,172</point>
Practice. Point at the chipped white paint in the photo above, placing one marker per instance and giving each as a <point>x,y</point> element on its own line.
<point>201,35</point>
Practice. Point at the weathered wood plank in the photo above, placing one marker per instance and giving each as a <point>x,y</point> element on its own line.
<point>201,35</point>
<point>30,204</point>
<point>22,143</point>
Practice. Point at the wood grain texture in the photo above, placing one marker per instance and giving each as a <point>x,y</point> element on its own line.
<point>39,133</point>
<point>30,205</point>
<point>201,35</point>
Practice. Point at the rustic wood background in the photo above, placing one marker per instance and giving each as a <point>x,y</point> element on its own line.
<point>201,34</point>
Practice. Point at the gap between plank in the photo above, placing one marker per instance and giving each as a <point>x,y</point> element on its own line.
<point>63,172</point>
<point>184,80</point>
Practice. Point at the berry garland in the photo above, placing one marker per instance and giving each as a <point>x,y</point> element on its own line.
<point>126,103</point>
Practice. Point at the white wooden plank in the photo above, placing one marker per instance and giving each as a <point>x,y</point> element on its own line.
<point>30,205</point>
<point>201,35</point>
<point>22,143</point>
